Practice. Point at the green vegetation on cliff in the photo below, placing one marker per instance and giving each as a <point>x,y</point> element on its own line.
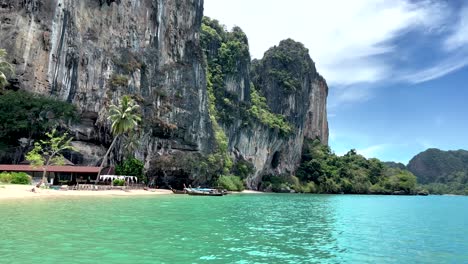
<point>27,115</point>
<point>322,171</point>
<point>261,111</point>
<point>219,162</point>
<point>227,54</point>
<point>283,66</point>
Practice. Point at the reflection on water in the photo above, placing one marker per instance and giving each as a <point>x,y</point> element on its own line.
<point>235,229</point>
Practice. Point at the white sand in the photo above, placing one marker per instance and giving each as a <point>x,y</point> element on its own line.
<point>24,191</point>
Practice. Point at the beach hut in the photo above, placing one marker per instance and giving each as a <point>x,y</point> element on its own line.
<point>67,174</point>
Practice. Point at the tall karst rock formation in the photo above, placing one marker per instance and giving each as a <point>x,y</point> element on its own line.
<point>91,52</point>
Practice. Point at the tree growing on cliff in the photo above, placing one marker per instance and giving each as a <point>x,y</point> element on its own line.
<point>6,69</point>
<point>49,151</point>
<point>125,119</point>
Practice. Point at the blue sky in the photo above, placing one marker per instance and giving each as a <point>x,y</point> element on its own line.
<point>397,70</point>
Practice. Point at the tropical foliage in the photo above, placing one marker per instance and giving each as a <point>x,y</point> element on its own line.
<point>324,172</point>
<point>118,182</point>
<point>242,169</point>
<point>261,111</point>
<point>15,178</point>
<point>131,167</point>
<point>277,183</point>
<point>26,115</point>
<point>125,119</point>
<point>231,183</point>
<point>458,186</point>
<point>283,65</point>
<point>49,151</point>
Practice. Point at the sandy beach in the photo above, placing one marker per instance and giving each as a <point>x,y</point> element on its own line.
<point>11,191</point>
<point>24,191</point>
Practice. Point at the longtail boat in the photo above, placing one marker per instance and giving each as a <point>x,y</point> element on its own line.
<point>204,192</point>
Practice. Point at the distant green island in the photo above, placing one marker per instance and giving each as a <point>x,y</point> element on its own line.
<point>441,172</point>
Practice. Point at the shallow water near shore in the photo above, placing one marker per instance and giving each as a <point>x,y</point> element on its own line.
<point>240,228</point>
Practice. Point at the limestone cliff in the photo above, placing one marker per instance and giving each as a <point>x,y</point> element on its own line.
<point>286,79</point>
<point>91,52</point>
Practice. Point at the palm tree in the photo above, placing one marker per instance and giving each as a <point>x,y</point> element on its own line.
<point>5,69</point>
<point>124,118</point>
<point>131,142</point>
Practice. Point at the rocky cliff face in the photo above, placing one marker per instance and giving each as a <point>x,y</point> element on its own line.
<point>91,52</point>
<point>286,79</point>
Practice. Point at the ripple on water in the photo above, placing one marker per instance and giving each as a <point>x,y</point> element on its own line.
<point>236,229</point>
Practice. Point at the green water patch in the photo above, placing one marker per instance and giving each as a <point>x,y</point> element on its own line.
<point>277,228</point>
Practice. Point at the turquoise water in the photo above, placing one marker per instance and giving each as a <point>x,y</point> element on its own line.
<point>236,229</point>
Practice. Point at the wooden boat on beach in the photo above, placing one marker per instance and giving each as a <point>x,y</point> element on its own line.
<point>204,192</point>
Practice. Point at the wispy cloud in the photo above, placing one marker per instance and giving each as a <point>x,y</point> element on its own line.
<point>459,36</point>
<point>455,53</point>
<point>438,70</point>
<point>346,38</point>
<point>349,94</point>
<point>355,43</point>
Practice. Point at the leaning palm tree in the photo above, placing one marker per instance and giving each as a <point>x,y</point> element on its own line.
<point>131,142</point>
<point>5,69</point>
<point>124,118</point>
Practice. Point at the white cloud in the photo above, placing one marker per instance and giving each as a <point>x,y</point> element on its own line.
<point>438,70</point>
<point>459,37</point>
<point>349,94</point>
<point>343,37</point>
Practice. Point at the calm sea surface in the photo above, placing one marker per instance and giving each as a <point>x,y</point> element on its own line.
<point>236,229</point>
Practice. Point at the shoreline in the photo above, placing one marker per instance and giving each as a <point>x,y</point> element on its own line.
<point>14,191</point>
